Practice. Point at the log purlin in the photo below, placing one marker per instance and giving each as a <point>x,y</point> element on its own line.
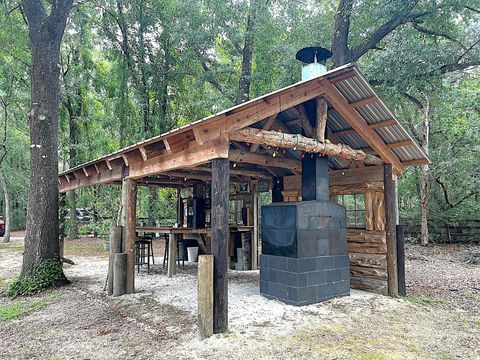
<point>299,142</point>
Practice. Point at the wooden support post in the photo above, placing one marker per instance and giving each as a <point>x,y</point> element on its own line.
<point>115,248</point>
<point>369,217</point>
<point>255,228</point>
<point>220,177</point>
<point>205,295</point>
<point>172,244</point>
<point>119,274</point>
<point>130,192</point>
<point>322,115</point>
<point>391,229</point>
<point>402,289</point>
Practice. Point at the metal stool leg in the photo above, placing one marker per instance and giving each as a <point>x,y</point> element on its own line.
<point>165,252</point>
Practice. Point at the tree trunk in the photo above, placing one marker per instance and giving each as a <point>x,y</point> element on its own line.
<point>424,188</point>
<point>8,207</point>
<point>152,205</point>
<point>45,32</point>
<point>246,74</point>
<point>340,50</point>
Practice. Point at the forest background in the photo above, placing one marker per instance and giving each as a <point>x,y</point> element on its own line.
<point>134,69</point>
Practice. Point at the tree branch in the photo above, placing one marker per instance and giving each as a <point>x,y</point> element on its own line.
<point>423,30</point>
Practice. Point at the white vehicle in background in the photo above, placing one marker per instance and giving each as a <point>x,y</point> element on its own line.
<point>82,214</point>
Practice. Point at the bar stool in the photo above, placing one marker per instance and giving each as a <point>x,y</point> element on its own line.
<point>165,252</point>
<point>142,253</point>
<point>149,237</point>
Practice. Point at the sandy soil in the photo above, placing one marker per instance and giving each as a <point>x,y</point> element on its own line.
<point>440,320</point>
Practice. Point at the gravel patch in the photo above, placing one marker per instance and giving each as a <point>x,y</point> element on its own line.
<point>159,320</point>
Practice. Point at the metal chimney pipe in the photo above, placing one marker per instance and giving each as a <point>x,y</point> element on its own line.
<point>313,59</point>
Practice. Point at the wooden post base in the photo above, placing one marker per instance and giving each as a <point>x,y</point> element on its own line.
<point>205,296</point>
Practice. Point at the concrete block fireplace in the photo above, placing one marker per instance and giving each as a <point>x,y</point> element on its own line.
<point>304,244</point>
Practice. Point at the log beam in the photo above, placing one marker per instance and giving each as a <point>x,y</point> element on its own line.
<point>277,139</point>
<point>267,126</point>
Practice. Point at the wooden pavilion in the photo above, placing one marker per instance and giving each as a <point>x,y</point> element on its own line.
<point>264,141</point>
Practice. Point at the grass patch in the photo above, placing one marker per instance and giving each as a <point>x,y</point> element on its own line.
<point>2,280</point>
<point>12,247</point>
<point>20,308</point>
<point>468,294</point>
<point>420,300</point>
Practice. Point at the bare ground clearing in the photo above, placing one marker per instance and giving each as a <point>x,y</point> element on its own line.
<point>440,320</point>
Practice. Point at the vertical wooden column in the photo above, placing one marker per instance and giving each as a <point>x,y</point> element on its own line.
<point>172,258</point>
<point>255,226</point>
<point>391,229</point>
<point>205,295</point>
<point>129,190</point>
<point>220,177</point>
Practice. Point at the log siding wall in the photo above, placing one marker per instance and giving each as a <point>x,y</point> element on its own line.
<point>367,248</point>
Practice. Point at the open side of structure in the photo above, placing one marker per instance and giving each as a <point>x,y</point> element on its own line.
<point>263,143</point>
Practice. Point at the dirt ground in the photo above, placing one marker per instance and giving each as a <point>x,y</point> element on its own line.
<point>440,319</point>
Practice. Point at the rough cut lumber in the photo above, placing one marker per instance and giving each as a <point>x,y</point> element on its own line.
<point>115,248</point>
<point>302,143</point>
<point>220,233</point>
<point>368,200</point>
<point>401,143</point>
<point>192,156</point>
<point>322,115</point>
<point>373,273</point>
<point>356,188</point>
<point>130,225</point>
<point>378,210</point>
<point>250,113</point>
<point>172,247</point>
<point>363,102</point>
<point>368,260</point>
<point>365,236</point>
<point>205,295</point>
<point>366,248</point>
<point>255,227</point>
<point>391,229</point>
<point>239,156</point>
<point>360,126</point>
<point>94,179</point>
<point>368,284</point>
<point>119,274</point>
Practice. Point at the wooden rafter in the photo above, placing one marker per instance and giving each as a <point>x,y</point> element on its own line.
<point>360,126</point>
<point>363,102</point>
<point>401,143</point>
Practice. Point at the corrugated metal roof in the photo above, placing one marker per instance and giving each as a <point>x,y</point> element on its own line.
<point>350,83</point>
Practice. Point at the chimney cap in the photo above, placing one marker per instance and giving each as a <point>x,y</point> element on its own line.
<point>307,54</point>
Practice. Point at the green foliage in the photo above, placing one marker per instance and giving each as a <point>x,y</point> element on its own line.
<point>46,275</point>
<point>182,60</point>
<point>20,308</point>
<point>421,300</point>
